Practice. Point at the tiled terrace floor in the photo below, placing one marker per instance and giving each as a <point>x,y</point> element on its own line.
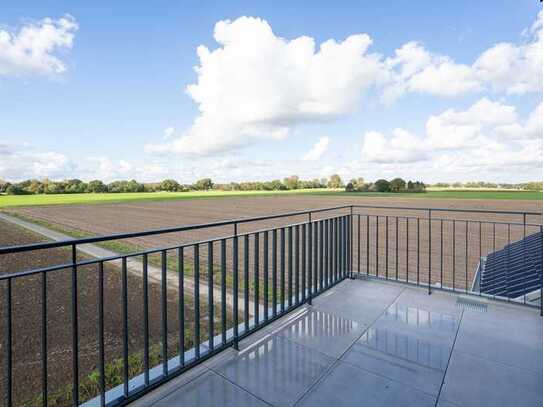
<point>367,343</point>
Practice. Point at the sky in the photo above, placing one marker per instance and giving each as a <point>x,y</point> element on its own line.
<point>258,90</point>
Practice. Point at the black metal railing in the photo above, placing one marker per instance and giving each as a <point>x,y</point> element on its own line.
<point>132,321</point>
<point>231,286</point>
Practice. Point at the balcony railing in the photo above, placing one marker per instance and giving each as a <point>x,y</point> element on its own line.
<point>227,287</point>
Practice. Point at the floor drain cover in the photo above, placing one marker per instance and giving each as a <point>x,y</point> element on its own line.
<point>471,304</point>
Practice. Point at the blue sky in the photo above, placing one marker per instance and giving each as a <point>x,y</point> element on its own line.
<point>107,96</point>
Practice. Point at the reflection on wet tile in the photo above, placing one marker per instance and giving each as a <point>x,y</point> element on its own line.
<point>408,344</point>
<point>277,370</point>
<point>322,331</point>
<point>210,389</point>
<point>349,386</point>
<point>407,347</point>
<point>422,319</point>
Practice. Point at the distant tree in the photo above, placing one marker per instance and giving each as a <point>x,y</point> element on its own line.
<point>349,187</point>
<point>53,187</point>
<point>75,186</point>
<point>15,189</point>
<point>204,184</point>
<point>335,181</point>
<point>397,185</point>
<point>457,185</point>
<point>169,185</point>
<point>35,187</point>
<point>96,186</point>
<point>292,182</point>
<point>382,185</point>
<point>134,186</point>
<point>4,185</point>
<point>534,186</point>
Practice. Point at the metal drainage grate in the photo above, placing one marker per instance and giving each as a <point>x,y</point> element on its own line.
<point>471,304</point>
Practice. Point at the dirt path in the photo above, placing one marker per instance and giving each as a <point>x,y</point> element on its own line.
<point>134,266</point>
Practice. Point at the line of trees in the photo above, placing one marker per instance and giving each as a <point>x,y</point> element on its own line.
<point>77,186</point>
<point>382,185</point>
<point>527,186</point>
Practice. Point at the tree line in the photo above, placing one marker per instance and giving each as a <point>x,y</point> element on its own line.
<point>77,186</point>
<point>383,185</point>
<point>526,186</point>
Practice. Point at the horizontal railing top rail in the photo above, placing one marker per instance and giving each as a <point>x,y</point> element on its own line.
<point>481,211</point>
<point>120,236</point>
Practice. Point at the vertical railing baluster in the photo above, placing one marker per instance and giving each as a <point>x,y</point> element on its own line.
<point>454,254</point>
<point>429,251</point>
<point>266,276</point>
<point>407,250</point>
<point>304,263</point>
<point>386,248</point>
<point>316,258</point>
<point>297,264</point>
<point>9,346</point>
<point>350,247</point>
<point>145,319</point>
<point>101,348</point>
<point>418,251</point>
<point>466,262</point>
<point>124,278</point>
<point>256,266</point>
<point>210,299</point>
<point>309,262</point>
<point>282,259</point>
<point>246,250</point>
<point>181,303</point>
<point>274,272</point>
<point>164,312</point>
<point>441,252</point>
<point>326,252</point>
<point>75,330</point>
<point>358,243</point>
<point>524,249</point>
<point>367,244</point>
<point>321,255</point>
<point>397,242</point>
<point>235,305</point>
<point>44,338</point>
<point>508,259</point>
<point>290,261</point>
<point>377,246</point>
<point>224,322</point>
<point>196,301</point>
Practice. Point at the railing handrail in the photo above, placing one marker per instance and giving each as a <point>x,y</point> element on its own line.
<point>120,236</point>
<point>489,211</point>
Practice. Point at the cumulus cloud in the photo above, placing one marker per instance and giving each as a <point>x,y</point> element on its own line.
<point>22,161</point>
<point>36,47</point>
<point>257,85</point>
<point>505,67</point>
<point>488,136</point>
<point>316,152</point>
<point>401,147</point>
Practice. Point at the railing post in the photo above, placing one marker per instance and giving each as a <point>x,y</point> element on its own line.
<point>429,251</point>
<point>235,272</point>
<point>75,330</point>
<point>351,244</point>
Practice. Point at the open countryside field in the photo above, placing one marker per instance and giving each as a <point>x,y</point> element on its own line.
<point>92,198</point>
<point>412,260</point>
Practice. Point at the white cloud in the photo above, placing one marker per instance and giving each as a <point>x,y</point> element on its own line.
<point>316,152</point>
<point>414,69</point>
<point>257,85</point>
<point>486,138</point>
<point>35,48</point>
<point>514,69</point>
<point>402,147</point>
<point>23,161</point>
